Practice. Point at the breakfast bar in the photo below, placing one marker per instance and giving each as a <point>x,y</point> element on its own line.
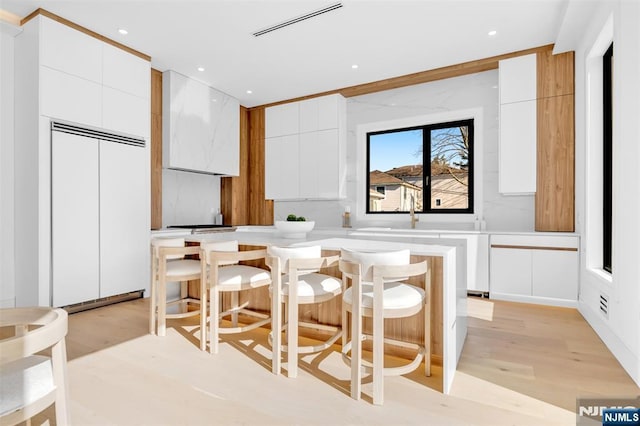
<point>448,284</point>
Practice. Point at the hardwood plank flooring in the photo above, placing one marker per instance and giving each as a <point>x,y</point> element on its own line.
<point>521,365</point>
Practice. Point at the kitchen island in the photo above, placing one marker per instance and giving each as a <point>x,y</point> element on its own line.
<point>447,275</point>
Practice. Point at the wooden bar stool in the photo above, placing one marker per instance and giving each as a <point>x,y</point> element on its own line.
<point>296,281</point>
<point>221,273</point>
<point>31,381</point>
<point>377,292</point>
<point>168,264</point>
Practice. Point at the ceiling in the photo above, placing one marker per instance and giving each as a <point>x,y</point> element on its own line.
<point>384,38</point>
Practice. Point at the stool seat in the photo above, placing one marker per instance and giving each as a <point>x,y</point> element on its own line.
<point>182,267</point>
<point>25,381</point>
<point>399,299</point>
<point>242,277</point>
<point>313,288</point>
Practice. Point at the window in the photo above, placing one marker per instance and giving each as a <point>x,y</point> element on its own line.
<point>380,189</point>
<point>395,160</point>
<point>607,156</point>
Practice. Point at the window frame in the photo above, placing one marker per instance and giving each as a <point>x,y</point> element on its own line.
<point>607,157</point>
<point>426,159</point>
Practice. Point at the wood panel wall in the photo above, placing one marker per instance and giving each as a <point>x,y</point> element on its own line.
<point>555,187</point>
<point>260,209</point>
<point>234,191</point>
<point>156,149</point>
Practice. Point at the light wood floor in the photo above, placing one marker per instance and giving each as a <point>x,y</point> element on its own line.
<point>521,365</point>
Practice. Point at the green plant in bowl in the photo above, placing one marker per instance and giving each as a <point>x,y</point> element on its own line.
<point>294,218</point>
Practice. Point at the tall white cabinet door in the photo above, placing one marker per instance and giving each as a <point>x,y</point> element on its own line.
<point>281,120</point>
<point>517,158</point>
<point>71,51</point>
<point>555,274</point>
<point>327,164</point>
<point>74,215</point>
<point>281,168</point>
<point>124,218</point>
<point>510,271</point>
<point>122,112</point>
<point>310,156</point>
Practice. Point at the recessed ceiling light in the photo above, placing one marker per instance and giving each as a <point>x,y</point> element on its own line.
<point>249,91</point>
<point>493,32</point>
<point>200,69</point>
<point>123,31</point>
<point>354,66</point>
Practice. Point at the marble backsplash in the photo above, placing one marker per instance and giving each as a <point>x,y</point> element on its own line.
<point>189,198</point>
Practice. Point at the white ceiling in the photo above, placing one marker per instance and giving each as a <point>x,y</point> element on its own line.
<point>384,38</point>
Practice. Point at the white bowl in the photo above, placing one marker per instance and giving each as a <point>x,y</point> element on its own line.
<point>294,229</point>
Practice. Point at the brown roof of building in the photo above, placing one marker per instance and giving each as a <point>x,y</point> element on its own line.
<point>377,177</point>
<point>411,170</point>
<point>415,170</point>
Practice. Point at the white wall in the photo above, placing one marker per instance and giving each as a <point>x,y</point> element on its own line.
<point>189,198</point>
<point>7,274</point>
<point>477,91</point>
<point>621,330</point>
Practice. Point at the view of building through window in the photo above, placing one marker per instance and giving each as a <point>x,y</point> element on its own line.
<point>397,179</point>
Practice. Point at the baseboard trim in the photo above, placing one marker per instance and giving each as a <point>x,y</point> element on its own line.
<point>549,301</point>
<point>627,359</point>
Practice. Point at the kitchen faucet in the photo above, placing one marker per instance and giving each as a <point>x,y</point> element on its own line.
<point>412,212</point>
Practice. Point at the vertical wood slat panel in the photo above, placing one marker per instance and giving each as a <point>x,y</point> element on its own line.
<point>555,74</point>
<point>555,194</point>
<point>555,187</point>
<point>234,191</point>
<point>260,210</point>
<point>156,149</point>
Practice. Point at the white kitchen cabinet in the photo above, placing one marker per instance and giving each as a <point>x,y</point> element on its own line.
<point>282,166</point>
<point>67,97</point>
<point>282,120</point>
<point>74,189</point>
<point>58,186</point>
<point>510,272</point>
<point>518,125</point>
<point>124,218</point>
<point>69,50</point>
<point>535,269</point>
<point>321,151</point>
<point>517,79</point>
<point>201,127</point>
<point>125,113</point>
<point>556,274</point>
<point>320,113</point>
<point>125,72</point>
<point>517,156</point>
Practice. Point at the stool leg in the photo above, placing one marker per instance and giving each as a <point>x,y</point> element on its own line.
<point>234,305</point>
<point>214,309</point>
<point>292,327</point>
<point>153,306</point>
<point>203,309</point>
<point>276,326</point>
<point>162,304</point>
<point>427,339</point>
<point>378,344</point>
<point>356,339</point>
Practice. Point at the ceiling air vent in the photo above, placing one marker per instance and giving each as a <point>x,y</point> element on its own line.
<point>298,19</point>
<point>604,305</point>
